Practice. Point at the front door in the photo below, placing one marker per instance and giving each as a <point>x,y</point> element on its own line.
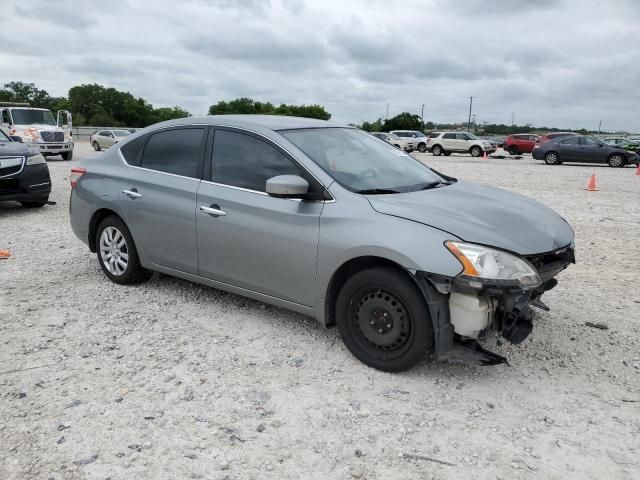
<point>591,150</point>
<point>569,150</point>
<point>257,242</point>
<point>159,197</point>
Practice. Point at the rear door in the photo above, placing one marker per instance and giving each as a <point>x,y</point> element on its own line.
<point>569,149</point>
<point>449,141</point>
<point>159,194</point>
<point>261,243</point>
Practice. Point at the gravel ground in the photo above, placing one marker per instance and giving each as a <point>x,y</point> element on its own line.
<point>175,380</point>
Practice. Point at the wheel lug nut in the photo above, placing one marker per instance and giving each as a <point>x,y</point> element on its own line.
<point>388,325</point>
<point>380,330</point>
<point>373,322</point>
<point>385,314</point>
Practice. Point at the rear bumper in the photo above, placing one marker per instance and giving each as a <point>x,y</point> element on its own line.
<point>33,183</point>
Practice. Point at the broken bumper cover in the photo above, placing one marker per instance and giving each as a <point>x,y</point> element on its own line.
<point>507,307</point>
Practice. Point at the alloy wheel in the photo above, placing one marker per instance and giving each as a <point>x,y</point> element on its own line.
<point>616,160</point>
<point>114,251</point>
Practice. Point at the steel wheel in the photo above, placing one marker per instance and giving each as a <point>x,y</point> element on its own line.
<point>96,146</point>
<point>114,251</point>
<point>422,148</point>
<point>616,160</point>
<point>380,323</point>
<point>476,151</point>
<point>437,150</point>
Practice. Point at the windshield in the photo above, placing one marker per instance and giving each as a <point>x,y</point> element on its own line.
<point>471,136</point>
<point>121,133</point>
<point>32,117</point>
<point>3,137</point>
<point>361,163</point>
<point>419,134</point>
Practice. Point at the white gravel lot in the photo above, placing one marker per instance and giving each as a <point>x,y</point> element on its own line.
<point>174,380</point>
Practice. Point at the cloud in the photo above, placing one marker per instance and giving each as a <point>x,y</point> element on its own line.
<point>565,63</point>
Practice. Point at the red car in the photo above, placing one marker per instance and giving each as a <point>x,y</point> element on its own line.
<point>520,143</point>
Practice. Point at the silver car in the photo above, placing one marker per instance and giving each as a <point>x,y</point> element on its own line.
<point>328,221</point>
<point>107,138</point>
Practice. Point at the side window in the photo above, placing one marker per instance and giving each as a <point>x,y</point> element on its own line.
<point>131,150</point>
<point>569,141</point>
<point>176,151</point>
<point>449,135</point>
<point>5,116</point>
<point>463,136</point>
<point>244,161</point>
<point>102,133</point>
<point>590,141</point>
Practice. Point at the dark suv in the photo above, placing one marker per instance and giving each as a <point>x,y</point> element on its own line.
<point>520,143</point>
<point>24,174</point>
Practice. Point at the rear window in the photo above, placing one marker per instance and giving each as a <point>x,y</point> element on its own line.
<point>434,135</point>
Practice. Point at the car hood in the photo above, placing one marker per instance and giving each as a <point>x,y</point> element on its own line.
<point>15,148</point>
<point>481,214</point>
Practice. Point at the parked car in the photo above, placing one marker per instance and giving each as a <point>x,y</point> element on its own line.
<point>520,143</point>
<point>419,139</point>
<point>460,142</point>
<point>583,149</point>
<point>106,138</point>
<point>298,212</point>
<point>405,144</point>
<point>623,142</point>
<point>553,136</point>
<point>24,174</point>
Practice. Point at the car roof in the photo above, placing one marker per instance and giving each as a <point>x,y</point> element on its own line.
<point>270,122</point>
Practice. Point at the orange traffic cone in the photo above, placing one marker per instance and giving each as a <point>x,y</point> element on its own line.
<point>592,184</point>
<point>638,170</point>
<point>485,157</point>
<point>5,254</point>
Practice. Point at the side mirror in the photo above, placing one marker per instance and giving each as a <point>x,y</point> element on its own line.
<point>16,138</point>
<point>287,186</point>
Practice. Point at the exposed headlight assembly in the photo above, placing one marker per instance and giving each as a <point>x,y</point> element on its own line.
<point>35,159</point>
<point>484,266</point>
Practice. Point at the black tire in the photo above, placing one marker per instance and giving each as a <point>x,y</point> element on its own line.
<point>398,147</point>
<point>422,147</point>
<point>67,155</point>
<point>437,150</point>
<point>475,151</point>
<point>513,150</point>
<point>617,160</point>
<point>35,203</point>
<point>371,298</point>
<point>552,158</point>
<point>96,146</point>
<point>133,273</point>
<point>446,154</point>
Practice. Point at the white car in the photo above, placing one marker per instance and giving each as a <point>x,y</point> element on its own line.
<point>405,144</point>
<point>419,139</point>
<point>446,143</point>
<point>106,138</point>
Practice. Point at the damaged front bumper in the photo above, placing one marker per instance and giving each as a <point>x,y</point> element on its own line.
<point>465,312</point>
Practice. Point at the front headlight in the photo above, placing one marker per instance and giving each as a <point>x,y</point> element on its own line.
<point>488,266</point>
<point>36,159</point>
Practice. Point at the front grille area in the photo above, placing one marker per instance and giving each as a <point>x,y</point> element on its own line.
<point>551,263</point>
<point>52,136</point>
<point>9,186</point>
<point>10,169</point>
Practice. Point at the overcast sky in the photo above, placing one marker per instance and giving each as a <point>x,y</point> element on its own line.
<point>564,63</point>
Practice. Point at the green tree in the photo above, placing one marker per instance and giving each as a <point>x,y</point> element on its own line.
<point>169,113</point>
<point>404,121</point>
<point>249,106</point>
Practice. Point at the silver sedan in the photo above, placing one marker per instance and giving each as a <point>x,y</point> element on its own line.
<point>328,221</point>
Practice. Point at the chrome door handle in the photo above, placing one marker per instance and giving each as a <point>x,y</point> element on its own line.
<point>132,194</point>
<point>213,211</point>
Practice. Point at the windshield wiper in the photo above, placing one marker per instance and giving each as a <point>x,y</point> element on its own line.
<point>376,191</point>
<point>436,184</point>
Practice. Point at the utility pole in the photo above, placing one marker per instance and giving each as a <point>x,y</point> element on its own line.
<point>422,119</point>
<point>469,121</point>
<point>475,125</point>
<point>513,117</point>
<point>599,125</point>
<point>387,110</point>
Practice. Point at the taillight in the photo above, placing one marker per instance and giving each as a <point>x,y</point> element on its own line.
<point>76,173</point>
